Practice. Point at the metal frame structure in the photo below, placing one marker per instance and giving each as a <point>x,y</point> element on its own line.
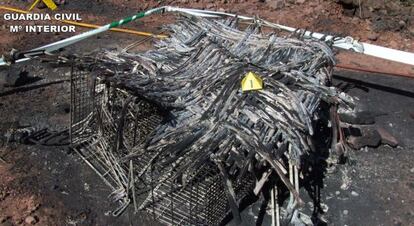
<point>203,202</point>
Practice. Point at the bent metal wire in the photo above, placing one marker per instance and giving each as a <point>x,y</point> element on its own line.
<point>196,127</point>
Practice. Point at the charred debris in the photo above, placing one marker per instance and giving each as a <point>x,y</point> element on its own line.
<point>172,130</point>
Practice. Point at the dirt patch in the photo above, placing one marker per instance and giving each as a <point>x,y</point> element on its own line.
<point>389,15</point>
<point>54,188</point>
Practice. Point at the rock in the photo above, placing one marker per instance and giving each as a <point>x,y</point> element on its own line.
<point>19,221</point>
<point>349,12</point>
<point>387,211</point>
<point>275,4</point>
<point>9,76</point>
<point>354,193</point>
<point>86,186</point>
<point>345,212</point>
<point>324,207</point>
<point>355,20</point>
<point>3,194</point>
<point>31,220</point>
<point>60,2</point>
<point>412,170</point>
<point>411,30</point>
<point>358,118</point>
<point>373,36</point>
<point>211,6</point>
<point>402,24</point>
<point>63,108</point>
<point>370,137</point>
<point>300,1</point>
<point>4,219</point>
<point>387,138</point>
<point>397,222</point>
<point>352,131</point>
<point>33,205</point>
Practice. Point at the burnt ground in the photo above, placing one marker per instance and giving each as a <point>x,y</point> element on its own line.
<point>53,185</point>
<point>50,183</point>
<point>380,189</point>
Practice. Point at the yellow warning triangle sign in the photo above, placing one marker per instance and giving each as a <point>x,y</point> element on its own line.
<point>251,81</point>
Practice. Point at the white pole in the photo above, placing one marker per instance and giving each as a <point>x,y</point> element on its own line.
<point>272,197</point>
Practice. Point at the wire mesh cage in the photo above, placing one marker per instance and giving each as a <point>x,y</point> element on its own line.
<point>108,122</point>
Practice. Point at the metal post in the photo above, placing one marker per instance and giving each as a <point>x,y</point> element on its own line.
<point>272,197</point>
<point>296,170</point>
<point>275,207</point>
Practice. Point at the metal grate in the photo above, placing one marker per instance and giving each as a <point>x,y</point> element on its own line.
<point>105,116</point>
<point>82,104</point>
<point>203,202</point>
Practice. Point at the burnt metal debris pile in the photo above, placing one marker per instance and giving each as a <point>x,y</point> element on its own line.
<point>171,131</point>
